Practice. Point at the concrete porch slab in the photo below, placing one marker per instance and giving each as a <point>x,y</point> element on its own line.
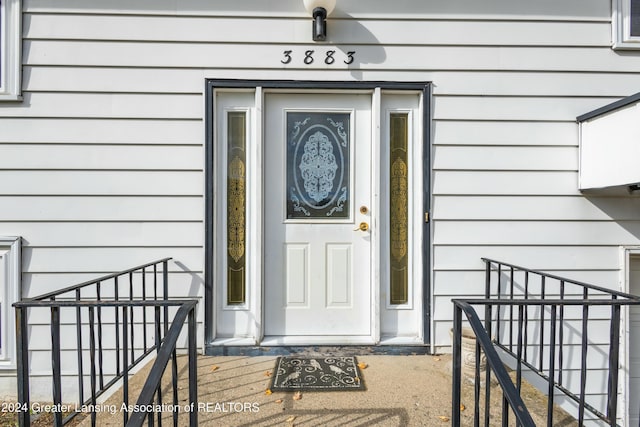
<point>232,391</point>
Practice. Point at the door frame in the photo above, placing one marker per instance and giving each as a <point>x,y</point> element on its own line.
<point>425,88</point>
<point>626,254</point>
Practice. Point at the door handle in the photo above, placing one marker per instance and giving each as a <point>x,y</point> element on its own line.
<point>362,227</point>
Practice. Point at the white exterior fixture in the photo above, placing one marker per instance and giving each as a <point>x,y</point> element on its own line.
<point>610,146</point>
<point>10,270</point>
<point>624,34</point>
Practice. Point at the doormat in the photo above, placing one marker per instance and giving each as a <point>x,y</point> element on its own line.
<point>316,374</point>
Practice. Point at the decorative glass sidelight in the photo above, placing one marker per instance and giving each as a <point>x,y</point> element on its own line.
<point>317,162</point>
<point>399,208</point>
<point>236,207</point>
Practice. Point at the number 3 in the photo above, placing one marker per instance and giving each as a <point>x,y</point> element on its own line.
<point>287,57</point>
<point>349,57</point>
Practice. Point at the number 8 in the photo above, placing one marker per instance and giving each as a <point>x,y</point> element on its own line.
<point>330,59</point>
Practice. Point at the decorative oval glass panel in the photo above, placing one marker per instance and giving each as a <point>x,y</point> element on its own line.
<point>317,162</point>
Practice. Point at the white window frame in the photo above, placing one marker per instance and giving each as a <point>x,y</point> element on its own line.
<point>10,50</point>
<point>621,26</point>
<point>10,285</point>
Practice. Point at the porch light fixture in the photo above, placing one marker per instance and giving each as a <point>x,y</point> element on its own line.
<point>319,9</point>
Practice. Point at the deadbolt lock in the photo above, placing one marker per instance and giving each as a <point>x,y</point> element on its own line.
<point>364,210</point>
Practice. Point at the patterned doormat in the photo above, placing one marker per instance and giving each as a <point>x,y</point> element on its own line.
<point>316,374</point>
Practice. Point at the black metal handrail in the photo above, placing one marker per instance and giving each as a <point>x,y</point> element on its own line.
<point>528,316</point>
<point>494,363</point>
<point>114,313</point>
<point>167,351</point>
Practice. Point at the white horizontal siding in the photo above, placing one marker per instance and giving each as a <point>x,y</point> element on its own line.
<point>512,133</point>
<point>182,281</point>
<point>100,131</point>
<point>95,208</point>
<point>471,283</point>
<point>545,109</point>
<point>145,183</point>
<point>539,183</point>
<point>283,30</point>
<point>179,80</point>
<point>102,259</point>
<point>505,158</point>
<point>140,234</point>
<point>536,233</point>
<point>466,9</point>
<point>423,58</point>
<point>100,157</point>
<point>548,208</point>
<point>547,258</point>
<point>107,105</point>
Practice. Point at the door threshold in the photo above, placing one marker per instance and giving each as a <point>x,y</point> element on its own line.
<point>318,350</point>
<point>331,340</point>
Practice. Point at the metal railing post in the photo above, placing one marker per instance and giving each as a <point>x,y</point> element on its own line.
<point>55,364</point>
<point>193,369</point>
<point>22,354</point>
<point>456,366</point>
<point>614,360</point>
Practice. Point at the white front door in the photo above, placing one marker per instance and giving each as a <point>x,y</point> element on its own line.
<point>317,195</point>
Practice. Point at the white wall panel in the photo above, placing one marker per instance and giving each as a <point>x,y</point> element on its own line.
<point>96,208</point>
<point>106,105</point>
<point>139,234</point>
<point>101,259</point>
<point>183,183</point>
<point>246,56</point>
<point>181,282</point>
<point>536,233</point>
<point>546,258</point>
<point>93,131</point>
<point>513,133</point>
<point>283,30</point>
<point>505,183</point>
<point>449,82</point>
<point>86,157</point>
<point>506,108</point>
<point>505,158</point>
<point>467,9</point>
<point>470,283</point>
<point>560,208</point>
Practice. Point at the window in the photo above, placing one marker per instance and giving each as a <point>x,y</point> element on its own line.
<point>236,206</point>
<point>10,49</point>
<point>399,207</point>
<point>626,24</point>
<point>9,293</point>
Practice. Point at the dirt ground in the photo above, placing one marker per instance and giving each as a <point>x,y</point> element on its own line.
<point>400,391</point>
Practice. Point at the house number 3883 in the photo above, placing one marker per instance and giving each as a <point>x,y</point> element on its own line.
<point>310,56</point>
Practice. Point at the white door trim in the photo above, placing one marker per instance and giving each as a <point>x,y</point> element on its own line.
<point>626,252</point>
<point>376,114</point>
<point>251,317</point>
<point>257,220</point>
